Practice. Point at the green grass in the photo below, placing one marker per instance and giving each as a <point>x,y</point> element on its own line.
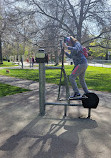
<point>107,63</point>
<point>22,73</point>
<point>6,89</point>
<point>97,78</point>
<point>6,64</point>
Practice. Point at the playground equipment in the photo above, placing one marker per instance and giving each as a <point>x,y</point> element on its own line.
<point>88,100</point>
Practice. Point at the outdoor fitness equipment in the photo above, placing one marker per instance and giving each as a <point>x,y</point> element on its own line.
<point>89,100</point>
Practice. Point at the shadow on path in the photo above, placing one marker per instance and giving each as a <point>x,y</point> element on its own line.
<point>61,139</point>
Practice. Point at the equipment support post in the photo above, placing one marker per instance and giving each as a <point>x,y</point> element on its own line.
<point>89,112</point>
<point>42,88</point>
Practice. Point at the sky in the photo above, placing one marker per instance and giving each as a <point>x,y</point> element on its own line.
<point>109,2</point>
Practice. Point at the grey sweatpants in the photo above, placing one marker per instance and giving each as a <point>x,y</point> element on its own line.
<point>79,70</point>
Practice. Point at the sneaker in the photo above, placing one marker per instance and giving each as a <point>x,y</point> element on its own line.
<point>76,95</point>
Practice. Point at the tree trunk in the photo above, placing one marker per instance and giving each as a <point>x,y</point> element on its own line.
<point>56,58</point>
<point>79,33</point>
<point>1,59</point>
<point>107,56</point>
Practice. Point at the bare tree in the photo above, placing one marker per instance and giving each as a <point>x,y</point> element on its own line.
<point>76,18</point>
<point>2,28</point>
<point>73,16</point>
<point>21,27</point>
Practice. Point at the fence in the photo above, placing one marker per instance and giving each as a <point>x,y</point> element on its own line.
<point>100,63</point>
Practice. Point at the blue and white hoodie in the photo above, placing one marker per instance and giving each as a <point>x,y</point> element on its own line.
<point>76,54</point>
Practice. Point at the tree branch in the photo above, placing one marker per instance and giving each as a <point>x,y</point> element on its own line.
<point>101,46</point>
<point>99,36</point>
<point>52,17</point>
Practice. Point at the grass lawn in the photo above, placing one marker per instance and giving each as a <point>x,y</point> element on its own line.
<point>6,89</point>
<point>97,78</point>
<point>6,64</point>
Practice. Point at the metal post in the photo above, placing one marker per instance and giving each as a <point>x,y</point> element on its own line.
<point>89,112</point>
<point>62,53</point>
<point>42,88</point>
<point>67,93</point>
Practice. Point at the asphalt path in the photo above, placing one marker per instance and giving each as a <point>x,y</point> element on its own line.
<point>26,134</point>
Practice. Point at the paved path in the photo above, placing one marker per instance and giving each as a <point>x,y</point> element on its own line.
<point>25,134</point>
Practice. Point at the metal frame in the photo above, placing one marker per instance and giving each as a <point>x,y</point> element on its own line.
<point>42,102</point>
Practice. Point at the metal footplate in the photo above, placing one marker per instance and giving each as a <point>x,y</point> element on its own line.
<point>78,98</point>
<point>89,100</point>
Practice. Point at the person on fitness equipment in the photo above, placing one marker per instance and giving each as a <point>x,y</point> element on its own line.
<point>80,62</point>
